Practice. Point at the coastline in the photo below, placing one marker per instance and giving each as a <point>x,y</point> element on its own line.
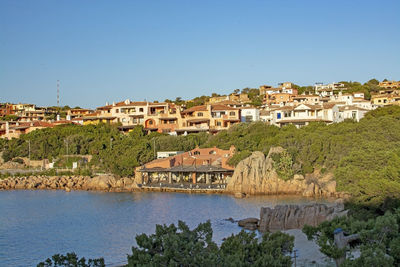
<point>108,183</point>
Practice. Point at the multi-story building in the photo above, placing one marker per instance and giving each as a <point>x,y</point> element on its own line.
<point>77,113</point>
<point>217,99</point>
<point>351,112</point>
<point>267,89</point>
<point>307,99</point>
<point>241,98</point>
<point>11,130</point>
<point>278,98</point>
<point>390,84</point>
<point>303,114</point>
<point>211,118</point>
<point>380,100</point>
<point>5,109</point>
<point>249,114</point>
<point>328,89</point>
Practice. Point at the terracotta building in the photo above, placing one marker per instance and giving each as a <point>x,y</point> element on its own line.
<point>197,166</point>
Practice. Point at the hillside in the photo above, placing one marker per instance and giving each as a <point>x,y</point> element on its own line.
<point>364,156</point>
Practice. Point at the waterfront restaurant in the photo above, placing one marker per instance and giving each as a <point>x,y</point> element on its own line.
<point>197,166</point>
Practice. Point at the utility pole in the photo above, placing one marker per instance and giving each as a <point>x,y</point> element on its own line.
<point>29,153</point>
<point>111,139</point>
<point>66,143</point>
<point>58,93</point>
<point>154,147</point>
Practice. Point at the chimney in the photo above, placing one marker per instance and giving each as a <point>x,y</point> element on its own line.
<point>107,103</point>
<point>209,108</point>
<point>113,104</point>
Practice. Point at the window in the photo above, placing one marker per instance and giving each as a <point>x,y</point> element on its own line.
<point>249,118</point>
<point>212,152</point>
<point>196,153</point>
<point>218,123</point>
<point>354,114</point>
<point>278,115</point>
<point>117,111</point>
<point>140,109</point>
<point>232,113</point>
<point>200,114</point>
<point>150,122</point>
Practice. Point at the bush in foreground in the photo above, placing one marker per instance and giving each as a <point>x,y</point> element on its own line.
<point>180,246</point>
<point>71,260</point>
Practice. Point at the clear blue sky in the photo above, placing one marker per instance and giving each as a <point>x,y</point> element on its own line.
<point>113,50</point>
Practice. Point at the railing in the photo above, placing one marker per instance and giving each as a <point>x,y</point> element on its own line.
<point>184,186</point>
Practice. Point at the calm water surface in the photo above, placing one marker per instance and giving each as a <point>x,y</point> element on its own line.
<point>34,225</point>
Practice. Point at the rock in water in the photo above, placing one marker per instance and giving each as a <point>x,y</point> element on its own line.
<point>285,217</point>
<point>249,223</point>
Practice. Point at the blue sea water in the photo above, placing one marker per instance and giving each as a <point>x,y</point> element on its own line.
<point>35,225</point>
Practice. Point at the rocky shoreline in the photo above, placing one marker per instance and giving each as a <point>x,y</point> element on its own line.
<point>109,183</point>
<point>98,183</point>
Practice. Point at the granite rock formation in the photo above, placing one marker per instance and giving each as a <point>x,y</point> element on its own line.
<point>285,217</point>
<point>256,175</point>
<point>68,183</point>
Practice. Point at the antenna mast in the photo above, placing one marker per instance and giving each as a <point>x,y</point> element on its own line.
<point>58,93</point>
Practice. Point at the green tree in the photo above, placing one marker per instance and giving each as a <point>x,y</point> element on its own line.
<point>175,246</point>
<point>180,246</point>
<point>71,260</point>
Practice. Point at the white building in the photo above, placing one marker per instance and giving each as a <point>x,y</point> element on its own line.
<point>351,112</point>
<point>328,89</point>
<point>249,114</point>
<point>266,116</point>
<point>303,114</point>
<point>166,154</point>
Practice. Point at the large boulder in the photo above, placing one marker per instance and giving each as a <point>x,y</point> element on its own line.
<point>102,182</point>
<point>249,223</point>
<point>256,175</point>
<point>285,217</point>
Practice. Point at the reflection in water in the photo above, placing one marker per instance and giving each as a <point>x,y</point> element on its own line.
<point>35,225</point>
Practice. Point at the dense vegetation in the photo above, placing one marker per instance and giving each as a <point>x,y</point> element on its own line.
<point>378,242</point>
<point>364,156</point>
<point>372,86</point>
